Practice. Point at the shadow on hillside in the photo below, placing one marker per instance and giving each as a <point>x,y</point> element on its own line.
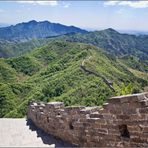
<point>47,138</point>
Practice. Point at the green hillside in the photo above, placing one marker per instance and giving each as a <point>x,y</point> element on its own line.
<point>14,49</point>
<point>75,73</point>
<point>111,41</point>
<point>114,43</point>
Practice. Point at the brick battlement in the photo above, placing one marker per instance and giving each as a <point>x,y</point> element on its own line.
<point>122,122</point>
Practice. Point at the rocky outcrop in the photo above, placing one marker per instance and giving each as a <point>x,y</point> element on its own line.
<point>122,122</point>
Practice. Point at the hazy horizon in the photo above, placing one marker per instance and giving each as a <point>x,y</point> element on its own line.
<point>90,15</point>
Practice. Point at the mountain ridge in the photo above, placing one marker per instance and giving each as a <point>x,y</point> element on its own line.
<point>113,43</point>
<point>33,30</point>
<point>53,73</point>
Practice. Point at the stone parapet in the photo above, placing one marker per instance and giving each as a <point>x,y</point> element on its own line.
<point>122,122</point>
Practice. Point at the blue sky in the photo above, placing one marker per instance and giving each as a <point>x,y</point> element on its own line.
<point>95,15</point>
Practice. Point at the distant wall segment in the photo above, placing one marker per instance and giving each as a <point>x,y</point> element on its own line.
<point>122,122</point>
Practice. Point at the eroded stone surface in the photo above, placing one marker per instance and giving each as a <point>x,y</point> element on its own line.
<point>122,122</point>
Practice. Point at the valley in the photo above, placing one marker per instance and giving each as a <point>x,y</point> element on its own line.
<point>84,68</point>
<point>74,73</point>
<point>53,73</point>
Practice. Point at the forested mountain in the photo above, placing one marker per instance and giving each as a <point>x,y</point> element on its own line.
<point>114,43</point>
<point>75,73</point>
<point>34,30</point>
<point>14,49</point>
<point>52,62</point>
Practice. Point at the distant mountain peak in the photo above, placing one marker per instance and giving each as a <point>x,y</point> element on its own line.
<point>32,22</point>
<point>111,30</point>
<point>34,30</point>
<point>45,22</point>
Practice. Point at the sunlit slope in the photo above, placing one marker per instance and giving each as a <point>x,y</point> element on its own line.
<point>111,41</point>
<point>56,73</point>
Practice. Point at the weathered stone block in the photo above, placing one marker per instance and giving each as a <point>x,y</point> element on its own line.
<point>143,110</point>
<point>87,110</point>
<point>95,126</point>
<point>55,105</point>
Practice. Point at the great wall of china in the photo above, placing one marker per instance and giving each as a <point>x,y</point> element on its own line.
<point>122,122</point>
<point>106,81</point>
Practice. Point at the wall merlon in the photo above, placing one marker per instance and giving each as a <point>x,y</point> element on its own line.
<point>128,98</point>
<point>88,110</point>
<point>55,105</point>
<point>122,122</point>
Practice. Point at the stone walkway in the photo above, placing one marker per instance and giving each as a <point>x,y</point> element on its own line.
<point>22,133</point>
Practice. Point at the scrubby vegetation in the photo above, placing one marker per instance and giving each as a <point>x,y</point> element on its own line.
<point>114,43</point>
<point>14,49</point>
<point>111,41</point>
<point>53,73</point>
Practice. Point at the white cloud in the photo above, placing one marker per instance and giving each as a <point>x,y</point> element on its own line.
<point>138,4</point>
<point>67,5</point>
<point>43,3</point>
<point>133,4</point>
<point>110,3</point>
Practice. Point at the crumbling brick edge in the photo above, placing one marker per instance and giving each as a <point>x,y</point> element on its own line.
<point>122,122</point>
